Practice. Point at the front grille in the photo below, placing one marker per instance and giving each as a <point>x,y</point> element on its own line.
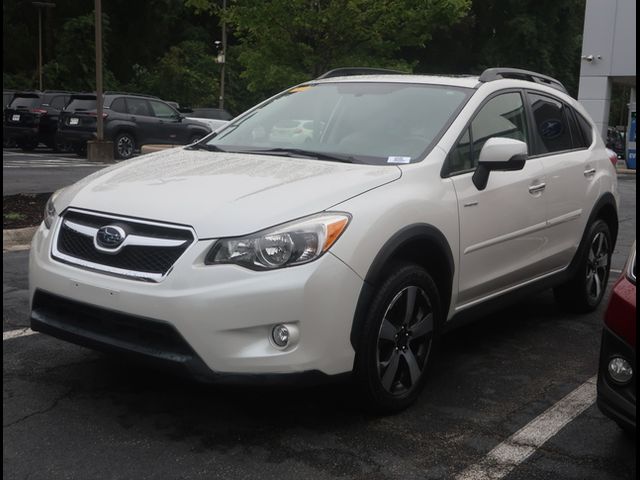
<point>145,260</point>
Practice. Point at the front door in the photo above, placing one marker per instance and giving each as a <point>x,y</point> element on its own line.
<point>502,228</point>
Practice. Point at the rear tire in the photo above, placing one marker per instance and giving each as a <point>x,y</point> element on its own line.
<point>124,146</point>
<point>584,291</point>
<point>398,340</point>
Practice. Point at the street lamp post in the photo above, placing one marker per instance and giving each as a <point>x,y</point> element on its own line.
<point>224,53</point>
<point>40,6</point>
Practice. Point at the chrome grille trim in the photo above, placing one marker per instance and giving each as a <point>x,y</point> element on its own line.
<point>131,240</point>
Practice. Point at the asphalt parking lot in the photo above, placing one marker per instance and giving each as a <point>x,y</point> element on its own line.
<point>72,413</point>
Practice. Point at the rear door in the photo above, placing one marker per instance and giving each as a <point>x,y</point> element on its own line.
<point>502,242</point>
<point>79,114</point>
<point>559,143</point>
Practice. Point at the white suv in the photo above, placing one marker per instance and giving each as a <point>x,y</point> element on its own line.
<point>414,202</point>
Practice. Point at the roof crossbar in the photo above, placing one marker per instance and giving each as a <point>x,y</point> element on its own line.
<point>491,74</point>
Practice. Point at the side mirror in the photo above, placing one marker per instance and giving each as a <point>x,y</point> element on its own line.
<point>500,154</point>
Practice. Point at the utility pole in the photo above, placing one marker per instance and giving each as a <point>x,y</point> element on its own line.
<point>99,149</point>
<point>224,53</point>
<point>40,6</point>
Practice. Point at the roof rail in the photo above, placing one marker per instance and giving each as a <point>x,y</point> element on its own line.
<point>110,92</point>
<point>351,71</point>
<point>57,91</point>
<point>491,74</point>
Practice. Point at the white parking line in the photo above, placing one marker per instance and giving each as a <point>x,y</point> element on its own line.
<point>20,332</point>
<point>522,444</point>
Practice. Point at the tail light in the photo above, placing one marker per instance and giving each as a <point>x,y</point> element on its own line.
<point>39,110</point>
<point>613,157</point>
<point>104,115</point>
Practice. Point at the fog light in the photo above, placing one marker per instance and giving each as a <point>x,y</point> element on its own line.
<point>620,370</point>
<point>280,335</point>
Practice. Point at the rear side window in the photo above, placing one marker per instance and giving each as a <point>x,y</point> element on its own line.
<point>139,106</point>
<point>118,105</point>
<point>585,129</point>
<point>81,104</point>
<point>551,125</point>
<point>25,102</point>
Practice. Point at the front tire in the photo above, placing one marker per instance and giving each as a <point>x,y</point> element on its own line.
<point>584,291</point>
<point>124,146</point>
<point>398,339</point>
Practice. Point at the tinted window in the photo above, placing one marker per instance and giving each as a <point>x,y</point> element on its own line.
<point>550,125</point>
<point>119,106</point>
<point>577,137</point>
<point>585,127</point>
<point>80,104</point>
<point>162,110</point>
<point>138,106</point>
<point>25,102</point>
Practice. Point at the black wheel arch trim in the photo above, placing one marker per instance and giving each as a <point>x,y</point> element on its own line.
<point>416,232</point>
<point>607,200</point>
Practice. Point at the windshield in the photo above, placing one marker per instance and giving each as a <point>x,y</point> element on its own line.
<point>361,122</point>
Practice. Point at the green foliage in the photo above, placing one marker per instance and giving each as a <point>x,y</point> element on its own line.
<point>73,68</point>
<point>283,42</point>
<point>187,74</point>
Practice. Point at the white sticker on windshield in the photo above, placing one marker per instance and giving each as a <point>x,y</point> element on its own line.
<point>399,160</point>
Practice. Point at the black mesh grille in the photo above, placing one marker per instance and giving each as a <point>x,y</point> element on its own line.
<point>147,259</point>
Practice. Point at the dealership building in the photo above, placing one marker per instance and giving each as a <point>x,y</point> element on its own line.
<point>608,58</point>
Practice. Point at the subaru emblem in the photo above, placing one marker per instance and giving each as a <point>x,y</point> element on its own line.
<point>109,237</point>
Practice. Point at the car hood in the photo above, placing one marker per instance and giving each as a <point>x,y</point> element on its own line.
<point>222,194</point>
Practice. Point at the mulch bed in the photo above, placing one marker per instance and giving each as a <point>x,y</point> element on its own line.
<point>23,210</point>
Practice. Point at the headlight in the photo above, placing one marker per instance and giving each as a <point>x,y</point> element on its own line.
<point>294,243</point>
<point>50,213</point>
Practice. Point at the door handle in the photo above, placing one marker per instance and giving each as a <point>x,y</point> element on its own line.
<point>533,189</point>
<point>590,172</point>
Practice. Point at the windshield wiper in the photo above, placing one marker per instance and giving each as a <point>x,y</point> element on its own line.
<point>299,152</point>
<point>205,146</point>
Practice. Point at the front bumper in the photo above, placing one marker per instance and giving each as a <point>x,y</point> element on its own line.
<point>617,402</point>
<point>224,313</point>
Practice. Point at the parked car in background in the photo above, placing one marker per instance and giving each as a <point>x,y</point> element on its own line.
<point>615,141</point>
<point>617,372</point>
<point>130,120</point>
<point>31,118</point>
<point>214,117</point>
<point>7,96</point>
<point>414,203</point>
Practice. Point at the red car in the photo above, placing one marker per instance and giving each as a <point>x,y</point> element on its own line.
<point>616,375</point>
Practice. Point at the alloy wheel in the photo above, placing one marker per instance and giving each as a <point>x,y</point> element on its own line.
<point>125,146</point>
<point>597,266</point>
<point>404,340</point>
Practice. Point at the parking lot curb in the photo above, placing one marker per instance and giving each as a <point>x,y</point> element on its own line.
<point>626,171</point>
<point>17,239</point>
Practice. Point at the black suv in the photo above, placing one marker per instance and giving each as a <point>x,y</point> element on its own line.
<point>130,120</point>
<point>31,118</point>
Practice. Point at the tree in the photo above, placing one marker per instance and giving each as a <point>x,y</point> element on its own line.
<point>187,74</point>
<point>283,42</point>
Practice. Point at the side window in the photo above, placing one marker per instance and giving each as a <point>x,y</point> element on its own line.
<point>550,125</point>
<point>585,127</point>
<point>460,158</point>
<point>577,137</point>
<point>118,105</point>
<point>162,110</point>
<point>138,106</point>
<point>502,116</point>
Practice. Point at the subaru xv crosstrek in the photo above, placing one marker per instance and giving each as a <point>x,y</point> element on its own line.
<point>414,203</point>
